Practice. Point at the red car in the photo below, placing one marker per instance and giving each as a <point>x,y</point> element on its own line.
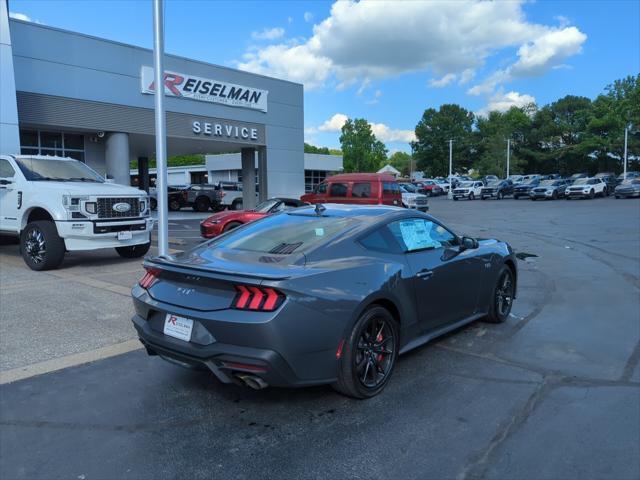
<point>429,188</point>
<point>224,221</point>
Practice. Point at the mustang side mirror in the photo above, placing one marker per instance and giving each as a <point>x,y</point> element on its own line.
<point>468,243</point>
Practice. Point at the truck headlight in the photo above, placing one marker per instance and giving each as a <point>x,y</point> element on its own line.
<point>72,204</point>
<point>143,206</point>
<point>91,207</point>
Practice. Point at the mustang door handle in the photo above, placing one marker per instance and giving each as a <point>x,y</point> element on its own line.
<point>424,274</point>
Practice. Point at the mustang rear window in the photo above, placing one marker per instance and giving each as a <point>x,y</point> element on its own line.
<point>284,234</point>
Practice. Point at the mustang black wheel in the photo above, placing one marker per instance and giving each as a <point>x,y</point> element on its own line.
<point>368,354</point>
<point>41,246</point>
<point>502,299</point>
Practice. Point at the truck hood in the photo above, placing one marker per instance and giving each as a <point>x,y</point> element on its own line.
<point>90,188</point>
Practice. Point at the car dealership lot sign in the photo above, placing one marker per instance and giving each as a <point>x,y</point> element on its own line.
<point>205,90</point>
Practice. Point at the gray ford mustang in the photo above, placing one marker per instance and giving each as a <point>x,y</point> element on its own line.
<point>330,294</point>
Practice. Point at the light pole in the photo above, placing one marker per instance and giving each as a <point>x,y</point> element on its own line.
<point>508,155</point>
<point>626,133</point>
<point>161,140</point>
<point>450,168</point>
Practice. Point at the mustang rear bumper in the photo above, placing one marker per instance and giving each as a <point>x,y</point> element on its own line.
<point>287,348</point>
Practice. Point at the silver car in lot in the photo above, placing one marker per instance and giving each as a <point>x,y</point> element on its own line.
<point>320,295</point>
<point>628,188</point>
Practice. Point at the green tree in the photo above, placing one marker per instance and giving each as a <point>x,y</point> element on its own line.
<point>433,132</point>
<point>401,161</point>
<point>308,148</point>
<point>492,133</point>
<point>361,150</point>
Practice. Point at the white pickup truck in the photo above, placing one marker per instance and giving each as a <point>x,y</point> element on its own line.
<point>59,204</point>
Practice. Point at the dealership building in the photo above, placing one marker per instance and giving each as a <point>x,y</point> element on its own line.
<point>227,167</point>
<point>66,93</point>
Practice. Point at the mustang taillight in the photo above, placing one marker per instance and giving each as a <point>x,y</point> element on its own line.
<point>149,278</point>
<point>261,299</point>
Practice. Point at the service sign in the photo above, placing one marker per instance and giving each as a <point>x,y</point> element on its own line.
<point>205,90</point>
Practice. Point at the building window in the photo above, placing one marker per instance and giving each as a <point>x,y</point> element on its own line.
<point>312,178</point>
<point>36,142</point>
<point>199,177</point>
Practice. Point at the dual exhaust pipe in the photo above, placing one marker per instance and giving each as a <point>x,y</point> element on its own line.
<point>251,381</point>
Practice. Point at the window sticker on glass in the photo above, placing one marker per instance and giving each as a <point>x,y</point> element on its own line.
<point>319,232</point>
<point>415,234</point>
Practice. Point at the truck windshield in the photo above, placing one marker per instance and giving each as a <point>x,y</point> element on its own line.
<point>57,170</point>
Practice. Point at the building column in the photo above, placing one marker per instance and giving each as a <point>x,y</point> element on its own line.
<point>248,158</point>
<point>9,131</point>
<point>116,153</point>
<point>262,174</point>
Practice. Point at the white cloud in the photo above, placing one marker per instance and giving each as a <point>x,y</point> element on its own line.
<point>442,82</point>
<point>501,102</point>
<point>334,124</point>
<point>382,132</point>
<point>386,134</point>
<point>308,17</point>
<point>546,52</point>
<point>466,76</point>
<point>360,40</point>
<point>23,17</point>
<point>268,34</point>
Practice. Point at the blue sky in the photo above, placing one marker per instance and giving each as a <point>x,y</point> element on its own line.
<point>385,61</point>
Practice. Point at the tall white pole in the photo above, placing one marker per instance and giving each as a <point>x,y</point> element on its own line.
<point>626,132</point>
<point>508,154</point>
<point>161,140</point>
<point>450,166</point>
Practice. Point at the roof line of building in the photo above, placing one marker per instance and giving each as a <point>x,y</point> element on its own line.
<point>179,57</point>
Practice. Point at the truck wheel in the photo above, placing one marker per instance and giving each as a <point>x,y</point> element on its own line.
<point>472,196</point>
<point>41,246</point>
<point>134,251</point>
<point>237,204</point>
<point>201,204</point>
<point>174,205</point>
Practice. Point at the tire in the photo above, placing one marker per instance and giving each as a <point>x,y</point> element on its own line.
<point>554,196</point>
<point>371,344</point>
<point>499,196</point>
<point>202,204</point>
<point>236,205</point>
<point>153,204</point>
<point>483,198</point>
<point>618,196</point>
<point>505,288</point>
<point>41,246</point>
<point>516,197</point>
<point>455,199</point>
<point>592,194</point>
<point>472,196</point>
<point>134,251</point>
<point>174,205</point>
<point>533,199</point>
<point>231,226</point>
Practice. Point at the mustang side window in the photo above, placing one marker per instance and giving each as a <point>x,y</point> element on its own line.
<point>416,234</point>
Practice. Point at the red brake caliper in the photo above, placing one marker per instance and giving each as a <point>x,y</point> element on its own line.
<point>379,339</point>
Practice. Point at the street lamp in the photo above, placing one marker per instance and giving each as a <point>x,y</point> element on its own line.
<point>626,133</point>
<point>450,168</point>
<point>508,155</point>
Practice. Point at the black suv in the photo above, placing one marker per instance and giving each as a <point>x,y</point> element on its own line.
<point>524,189</point>
<point>497,189</point>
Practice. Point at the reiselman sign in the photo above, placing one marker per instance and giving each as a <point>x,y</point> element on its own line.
<point>205,90</point>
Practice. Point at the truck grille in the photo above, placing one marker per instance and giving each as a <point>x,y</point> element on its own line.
<point>106,210</point>
<point>421,201</point>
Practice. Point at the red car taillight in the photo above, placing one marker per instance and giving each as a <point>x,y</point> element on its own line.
<point>262,299</point>
<point>149,278</point>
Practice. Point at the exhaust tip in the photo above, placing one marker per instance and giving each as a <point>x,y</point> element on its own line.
<point>252,381</point>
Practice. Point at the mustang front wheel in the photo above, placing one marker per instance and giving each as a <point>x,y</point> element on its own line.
<point>368,355</point>
<point>502,299</point>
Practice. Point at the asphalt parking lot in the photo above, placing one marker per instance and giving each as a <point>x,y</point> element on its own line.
<point>553,393</point>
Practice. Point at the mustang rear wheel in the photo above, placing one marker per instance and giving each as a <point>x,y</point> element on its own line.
<point>502,299</point>
<point>368,354</point>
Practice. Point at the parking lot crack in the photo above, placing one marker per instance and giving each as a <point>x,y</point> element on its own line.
<point>476,468</point>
